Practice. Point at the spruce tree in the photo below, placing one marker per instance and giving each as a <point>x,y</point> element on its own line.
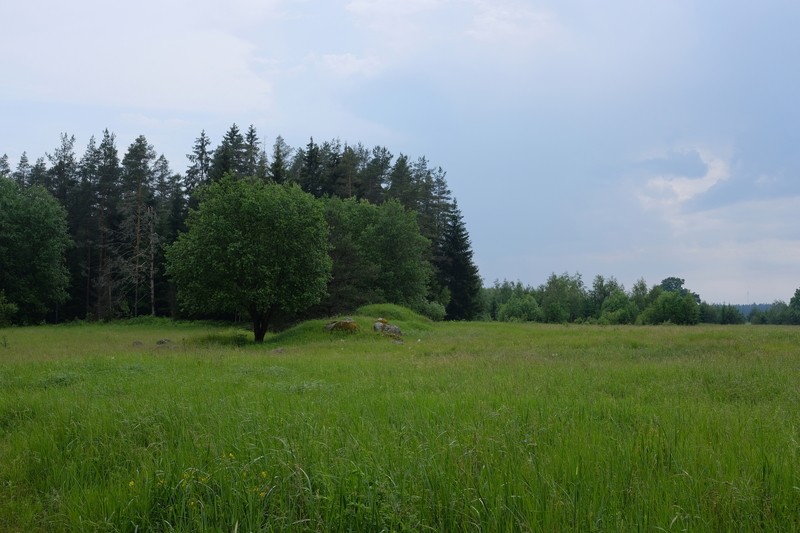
<point>278,169</point>
<point>198,172</point>
<point>310,172</point>
<point>230,156</point>
<point>458,270</point>
<point>401,183</point>
<point>23,173</point>
<point>251,153</point>
<point>5,169</point>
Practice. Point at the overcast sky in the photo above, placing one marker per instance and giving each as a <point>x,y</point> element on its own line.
<point>628,138</point>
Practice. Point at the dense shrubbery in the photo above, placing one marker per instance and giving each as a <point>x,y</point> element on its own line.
<point>565,298</point>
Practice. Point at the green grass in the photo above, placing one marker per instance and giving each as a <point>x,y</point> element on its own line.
<point>462,427</point>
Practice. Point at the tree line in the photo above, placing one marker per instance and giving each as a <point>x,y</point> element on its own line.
<point>566,298</point>
<point>114,217</point>
<point>89,237</point>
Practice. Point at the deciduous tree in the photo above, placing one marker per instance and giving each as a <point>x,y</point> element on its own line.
<point>33,240</point>
<point>252,247</point>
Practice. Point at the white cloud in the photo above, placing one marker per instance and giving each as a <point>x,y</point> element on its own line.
<point>671,190</point>
<point>141,56</point>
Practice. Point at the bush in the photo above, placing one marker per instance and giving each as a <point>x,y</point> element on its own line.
<point>391,312</point>
<point>433,310</point>
<point>520,308</point>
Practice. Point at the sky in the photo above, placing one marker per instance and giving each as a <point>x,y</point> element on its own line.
<point>626,138</point>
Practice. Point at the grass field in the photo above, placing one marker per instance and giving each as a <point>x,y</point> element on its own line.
<point>462,427</point>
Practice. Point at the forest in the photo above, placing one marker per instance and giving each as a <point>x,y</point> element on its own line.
<point>109,234</point>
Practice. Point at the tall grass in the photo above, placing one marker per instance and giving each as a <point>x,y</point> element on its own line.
<point>490,427</point>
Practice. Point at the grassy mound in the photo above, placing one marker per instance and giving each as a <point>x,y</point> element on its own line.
<point>395,314</point>
<point>314,330</point>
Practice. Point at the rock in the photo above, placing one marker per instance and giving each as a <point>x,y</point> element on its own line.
<point>137,343</point>
<point>161,342</point>
<point>383,326</point>
<point>346,325</point>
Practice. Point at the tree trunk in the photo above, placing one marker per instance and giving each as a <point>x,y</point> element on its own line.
<point>260,322</point>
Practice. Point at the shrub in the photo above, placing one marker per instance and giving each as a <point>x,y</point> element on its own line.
<point>520,308</point>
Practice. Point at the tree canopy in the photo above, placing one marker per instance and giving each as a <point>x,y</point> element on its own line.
<point>251,247</point>
<point>33,241</point>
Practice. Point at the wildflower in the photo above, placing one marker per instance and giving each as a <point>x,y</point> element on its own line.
<point>131,484</point>
<point>263,474</point>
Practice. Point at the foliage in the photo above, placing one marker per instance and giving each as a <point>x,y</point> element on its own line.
<point>494,297</point>
<point>457,271</point>
<point>33,241</point>
<point>121,213</point>
<point>672,307</point>
<point>563,298</point>
<point>720,314</point>
<point>618,308</point>
<point>378,255</point>
<point>431,309</point>
<point>252,248</point>
<point>520,308</point>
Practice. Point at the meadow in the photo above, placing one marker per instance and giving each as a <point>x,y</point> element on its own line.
<point>462,427</point>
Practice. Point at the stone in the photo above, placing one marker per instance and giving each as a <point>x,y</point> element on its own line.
<point>383,326</point>
<point>346,325</point>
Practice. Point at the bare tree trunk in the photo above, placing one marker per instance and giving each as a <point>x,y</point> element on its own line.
<point>152,261</point>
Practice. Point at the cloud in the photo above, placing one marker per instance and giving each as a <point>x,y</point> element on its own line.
<point>143,56</point>
<point>666,191</point>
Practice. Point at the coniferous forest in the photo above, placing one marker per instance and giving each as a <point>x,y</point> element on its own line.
<point>87,236</point>
<point>396,232</point>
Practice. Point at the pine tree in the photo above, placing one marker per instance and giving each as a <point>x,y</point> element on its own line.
<point>375,175</point>
<point>63,168</point>
<point>137,223</point>
<point>458,270</point>
<point>84,231</point>
<point>107,283</point>
<point>39,172</point>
